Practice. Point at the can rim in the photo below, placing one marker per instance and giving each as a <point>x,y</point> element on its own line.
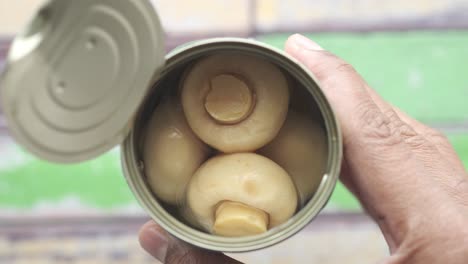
<point>131,165</point>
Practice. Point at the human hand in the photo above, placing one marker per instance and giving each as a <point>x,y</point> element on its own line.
<point>406,175</point>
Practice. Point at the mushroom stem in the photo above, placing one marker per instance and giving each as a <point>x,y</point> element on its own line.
<point>235,219</point>
<point>229,100</point>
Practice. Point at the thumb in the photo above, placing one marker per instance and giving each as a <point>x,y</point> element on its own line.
<point>388,165</point>
<point>170,250</point>
<point>343,86</point>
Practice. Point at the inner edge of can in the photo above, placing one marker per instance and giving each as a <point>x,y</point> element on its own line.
<point>134,173</point>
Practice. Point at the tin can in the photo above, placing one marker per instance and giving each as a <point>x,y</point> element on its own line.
<point>87,75</point>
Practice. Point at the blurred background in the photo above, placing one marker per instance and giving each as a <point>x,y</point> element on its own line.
<point>413,53</point>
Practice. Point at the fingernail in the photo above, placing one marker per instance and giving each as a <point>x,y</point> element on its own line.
<point>306,43</point>
<point>156,243</point>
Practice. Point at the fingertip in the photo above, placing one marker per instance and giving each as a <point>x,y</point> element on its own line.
<point>290,45</point>
<point>299,42</point>
<point>148,228</point>
<point>158,243</point>
<point>154,240</point>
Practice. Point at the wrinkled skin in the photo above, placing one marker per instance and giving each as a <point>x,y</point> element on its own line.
<point>406,175</point>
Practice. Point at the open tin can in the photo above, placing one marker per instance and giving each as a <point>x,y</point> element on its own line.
<point>86,76</point>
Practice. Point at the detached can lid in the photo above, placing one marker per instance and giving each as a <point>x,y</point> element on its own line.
<point>76,76</point>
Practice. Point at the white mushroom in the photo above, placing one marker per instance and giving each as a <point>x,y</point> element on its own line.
<point>235,102</point>
<point>241,194</point>
<point>301,149</point>
<point>172,153</point>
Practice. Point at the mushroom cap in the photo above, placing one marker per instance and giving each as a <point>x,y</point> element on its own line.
<point>270,94</point>
<point>245,178</point>
<point>301,149</point>
<point>172,152</point>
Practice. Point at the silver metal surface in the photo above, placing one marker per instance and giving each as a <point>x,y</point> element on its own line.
<point>75,77</point>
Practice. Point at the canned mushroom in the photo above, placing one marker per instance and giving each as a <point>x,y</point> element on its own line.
<point>229,144</point>
<point>235,148</point>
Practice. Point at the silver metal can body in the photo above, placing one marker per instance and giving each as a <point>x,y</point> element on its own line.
<point>133,164</point>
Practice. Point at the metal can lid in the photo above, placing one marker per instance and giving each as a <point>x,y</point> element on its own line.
<point>76,76</point>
